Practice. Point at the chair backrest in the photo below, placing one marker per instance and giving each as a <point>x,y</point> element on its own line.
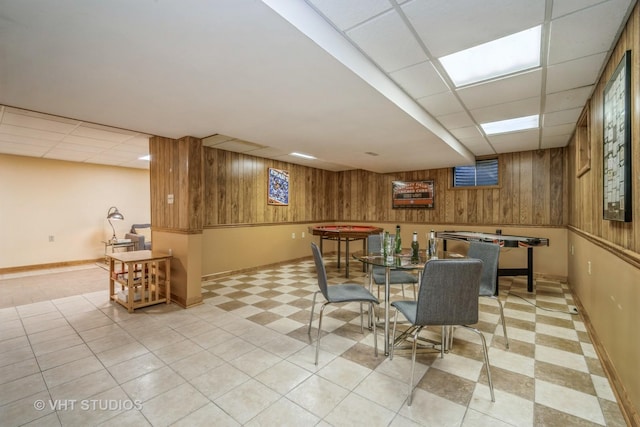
<point>489,254</point>
<point>322,272</point>
<point>374,244</point>
<point>448,292</point>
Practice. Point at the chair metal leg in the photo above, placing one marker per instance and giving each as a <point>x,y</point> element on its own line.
<point>313,306</point>
<point>375,334</point>
<point>413,363</point>
<point>319,330</point>
<point>504,325</point>
<point>486,359</point>
<point>393,335</point>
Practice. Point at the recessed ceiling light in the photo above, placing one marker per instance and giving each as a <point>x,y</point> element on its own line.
<point>510,54</point>
<point>511,125</point>
<point>147,157</point>
<point>304,156</point>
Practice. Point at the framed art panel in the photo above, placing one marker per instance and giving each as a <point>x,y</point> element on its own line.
<point>583,144</point>
<point>617,144</point>
<point>278,191</point>
<point>412,194</point>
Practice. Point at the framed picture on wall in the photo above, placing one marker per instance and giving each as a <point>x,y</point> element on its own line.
<point>583,144</point>
<point>617,144</point>
<point>278,190</point>
<point>412,194</point>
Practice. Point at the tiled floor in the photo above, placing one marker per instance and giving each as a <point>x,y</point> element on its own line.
<point>244,358</point>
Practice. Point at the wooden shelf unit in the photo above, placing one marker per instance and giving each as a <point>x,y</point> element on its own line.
<point>144,278</point>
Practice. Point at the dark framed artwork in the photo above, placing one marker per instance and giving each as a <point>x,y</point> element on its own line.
<point>617,144</point>
<point>278,190</point>
<point>412,194</point>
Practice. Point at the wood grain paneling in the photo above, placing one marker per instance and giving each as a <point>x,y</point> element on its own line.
<point>586,191</point>
<point>176,169</point>
<point>235,187</point>
<point>235,191</point>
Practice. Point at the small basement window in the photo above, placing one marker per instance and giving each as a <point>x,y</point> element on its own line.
<point>483,173</point>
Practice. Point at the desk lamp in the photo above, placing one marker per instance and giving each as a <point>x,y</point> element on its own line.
<point>113,213</point>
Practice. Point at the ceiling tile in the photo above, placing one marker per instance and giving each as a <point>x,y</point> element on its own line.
<point>450,26</point>
<point>90,142</point>
<point>456,120</point>
<point>515,141</point>
<point>467,133</point>
<point>478,146</point>
<point>562,117</point>
<point>388,42</point>
<point>565,129</point>
<point>420,80</point>
<point>508,110</point>
<point>30,132</point>
<point>584,33</point>
<point>66,146</point>
<point>568,99</point>
<point>525,85</point>
<point>69,155</point>
<point>346,14</point>
<point>555,141</point>
<point>572,74</point>
<point>441,104</point>
<point>102,133</point>
<point>564,7</point>
<point>8,147</point>
<point>50,124</point>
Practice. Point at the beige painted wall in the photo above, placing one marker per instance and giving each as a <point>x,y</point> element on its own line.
<point>611,298</point>
<point>67,200</point>
<point>235,248</point>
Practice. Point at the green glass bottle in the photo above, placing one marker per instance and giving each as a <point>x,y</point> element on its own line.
<point>415,248</point>
<point>398,240</point>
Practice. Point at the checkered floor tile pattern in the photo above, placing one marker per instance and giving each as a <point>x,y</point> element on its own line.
<point>244,358</point>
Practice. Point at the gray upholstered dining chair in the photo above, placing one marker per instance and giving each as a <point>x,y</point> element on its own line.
<point>448,296</point>
<point>489,253</point>
<point>377,273</point>
<point>341,293</point>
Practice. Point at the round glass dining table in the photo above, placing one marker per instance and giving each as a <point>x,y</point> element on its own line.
<point>400,261</point>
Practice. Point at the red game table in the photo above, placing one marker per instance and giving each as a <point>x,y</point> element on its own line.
<point>347,233</point>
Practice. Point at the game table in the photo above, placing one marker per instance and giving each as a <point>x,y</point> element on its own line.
<point>346,233</point>
<point>503,240</point>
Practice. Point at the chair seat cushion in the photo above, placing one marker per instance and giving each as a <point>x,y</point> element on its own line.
<point>407,308</point>
<point>350,292</point>
<point>396,277</point>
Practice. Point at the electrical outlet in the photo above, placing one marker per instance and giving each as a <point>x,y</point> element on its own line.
<point>293,235</point>
<point>589,267</point>
<point>572,250</point>
<point>170,199</point>
<point>302,235</point>
<point>52,238</point>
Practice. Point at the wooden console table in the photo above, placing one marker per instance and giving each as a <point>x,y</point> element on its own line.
<point>144,278</point>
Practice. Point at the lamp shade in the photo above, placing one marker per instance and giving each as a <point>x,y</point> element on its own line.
<point>114,213</point>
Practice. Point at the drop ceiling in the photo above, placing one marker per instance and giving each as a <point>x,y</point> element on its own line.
<point>356,83</point>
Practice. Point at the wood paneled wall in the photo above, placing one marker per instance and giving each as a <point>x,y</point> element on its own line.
<point>236,191</point>
<point>531,192</point>
<point>586,191</point>
<point>176,169</point>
